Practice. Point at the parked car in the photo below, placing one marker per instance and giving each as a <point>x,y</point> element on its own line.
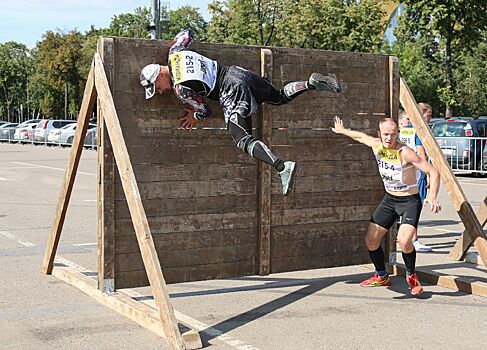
<point>462,141</point>
<point>433,121</point>
<point>7,131</point>
<point>22,130</point>
<point>91,139</point>
<point>65,135</point>
<point>45,126</point>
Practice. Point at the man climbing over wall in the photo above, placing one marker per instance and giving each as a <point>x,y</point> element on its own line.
<point>397,166</point>
<point>239,91</point>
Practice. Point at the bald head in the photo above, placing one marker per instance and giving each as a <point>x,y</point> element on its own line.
<point>388,130</point>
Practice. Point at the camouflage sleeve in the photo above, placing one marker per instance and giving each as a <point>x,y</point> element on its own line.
<point>182,40</point>
<point>201,109</point>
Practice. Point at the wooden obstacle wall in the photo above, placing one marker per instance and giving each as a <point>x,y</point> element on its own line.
<point>214,212</point>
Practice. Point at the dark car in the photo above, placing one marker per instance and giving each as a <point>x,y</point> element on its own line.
<point>462,141</point>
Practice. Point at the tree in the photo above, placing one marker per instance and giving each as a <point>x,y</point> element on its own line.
<point>15,67</point>
<point>446,28</point>
<point>345,25</point>
<point>58,56</point>
<point>185,17</point>
<point>131,25</point>
<point>246,22</point>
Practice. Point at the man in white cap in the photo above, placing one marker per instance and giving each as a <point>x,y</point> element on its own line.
<point>239,91</point>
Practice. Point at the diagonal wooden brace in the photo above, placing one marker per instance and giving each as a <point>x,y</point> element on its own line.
<point>452,186</point>
<point>459,251</point>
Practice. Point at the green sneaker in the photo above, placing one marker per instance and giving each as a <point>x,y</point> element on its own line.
<point>287,176</point>
<point>325,82</point>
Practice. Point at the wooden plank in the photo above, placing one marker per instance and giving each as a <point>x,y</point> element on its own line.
<point>462,284</point>
<point>149,254</point>
<point>264,243</point>
<point>138,312</point>
<point>453,188</point>
<point>106,185</point>
<point>393,74</point>
<point>69,176</point>
<point>459,250</point>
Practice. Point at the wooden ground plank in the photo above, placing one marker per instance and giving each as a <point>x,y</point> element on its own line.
<point>463,284</point>
<point>140,313</point>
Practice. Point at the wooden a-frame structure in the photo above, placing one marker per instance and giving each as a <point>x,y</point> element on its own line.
<point>163,322</point>
<point>97,84</point>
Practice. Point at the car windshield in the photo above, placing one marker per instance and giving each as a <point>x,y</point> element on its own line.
<point>449,129</point>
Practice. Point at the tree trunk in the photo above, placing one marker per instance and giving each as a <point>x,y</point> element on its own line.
<point>448,76</point>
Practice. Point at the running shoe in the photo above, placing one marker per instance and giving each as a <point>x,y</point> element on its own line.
<point>325,82</point>
<point>414,286</point>
<point>287,176</point>
<point>377,281</point>
<point>420,247</point>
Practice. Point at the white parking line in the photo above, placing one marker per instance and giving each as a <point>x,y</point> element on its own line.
<point>472,183</point>
<point>84,244</point>
<point>15,238</point>
<point>52,168</point>
<point>4,179</point>
<point>89,200</point>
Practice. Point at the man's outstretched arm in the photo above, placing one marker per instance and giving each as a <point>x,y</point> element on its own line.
<point>356,135</point>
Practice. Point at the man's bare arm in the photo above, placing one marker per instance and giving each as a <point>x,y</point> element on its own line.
<point>356,135</point>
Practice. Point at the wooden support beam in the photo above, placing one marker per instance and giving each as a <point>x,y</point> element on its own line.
<point>265,176</point>
<point>137,212</point>
<point>459,250</point>
<point>122,303</point>
<point>106,184</point>
<point>457,196</point>
<point>390,250</point>
<point>461,284</point>
<point>69,176</point>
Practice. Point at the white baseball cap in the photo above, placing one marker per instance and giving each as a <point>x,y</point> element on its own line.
<point>148,78</point>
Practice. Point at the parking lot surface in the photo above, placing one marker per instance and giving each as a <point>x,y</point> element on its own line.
<point>315,309</point>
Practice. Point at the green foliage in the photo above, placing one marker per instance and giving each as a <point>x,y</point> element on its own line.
<point>445,29</point>
<point>15,67</point>
<point>131,25</point>
<point>245,22</point>
<point>185,17</point>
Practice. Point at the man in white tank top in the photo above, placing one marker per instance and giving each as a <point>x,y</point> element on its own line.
<point>397,166</point>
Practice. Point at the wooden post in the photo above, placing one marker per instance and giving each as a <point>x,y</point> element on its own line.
<point>265,175</point>
<point>63,201</point>
<point>459,250</point>
<point>457,196</point>
<point>137,212</point>
<point>390,243</point>
<point>106,187</point>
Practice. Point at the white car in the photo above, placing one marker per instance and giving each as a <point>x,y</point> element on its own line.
<point>65,135</point>
<point>22,130</point>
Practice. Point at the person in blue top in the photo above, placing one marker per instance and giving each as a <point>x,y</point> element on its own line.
<point>193,76</point>
<point>408,135</point>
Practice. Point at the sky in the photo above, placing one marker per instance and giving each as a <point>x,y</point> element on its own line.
<point>25,21</point>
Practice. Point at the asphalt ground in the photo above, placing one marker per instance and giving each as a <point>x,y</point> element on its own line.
<point>315,309</point>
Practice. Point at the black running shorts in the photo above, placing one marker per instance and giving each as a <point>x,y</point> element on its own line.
<point>242,91</point>
<point>392,208</point>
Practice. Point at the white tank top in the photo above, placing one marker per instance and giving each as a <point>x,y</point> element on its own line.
<point>408,136</point>
<point>395,177</point>
<point>189,65</point>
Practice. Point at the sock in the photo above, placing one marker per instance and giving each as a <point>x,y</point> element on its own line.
<point>378,259</point>
<point>410,262</point>
<point>279,165</point>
